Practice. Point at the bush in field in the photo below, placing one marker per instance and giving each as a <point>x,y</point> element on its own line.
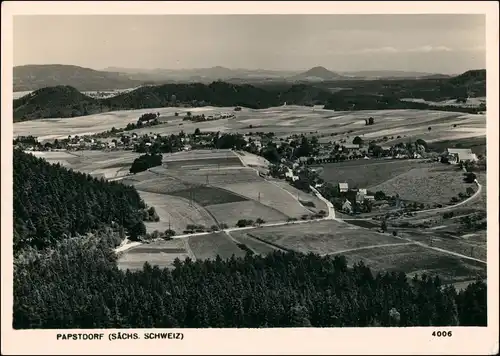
<point>309,204</point>
<point>259,221</point>
<point>214,228</point>
<point>357,140</point>
<point>448,215</point>
<point>383,226</point>
<point>469,177</point>
<point>469,191</point>
<point>169,233</point>
<point>244,222</point>
<point>291,219</point>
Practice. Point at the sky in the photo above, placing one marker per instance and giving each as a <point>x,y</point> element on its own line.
<point>447,44</point>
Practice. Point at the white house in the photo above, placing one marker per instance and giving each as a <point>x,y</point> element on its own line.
<point>350,147</point>
<point>343,187</point>
<point>347,207</point>
<point>456,155</point>
<point>360,196</point>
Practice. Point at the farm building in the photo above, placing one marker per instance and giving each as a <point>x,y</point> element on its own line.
<point>350,147</point>
<point>360,196</point>
<point>343,187</point>
<point>456,155</point>
<point>347,207</point>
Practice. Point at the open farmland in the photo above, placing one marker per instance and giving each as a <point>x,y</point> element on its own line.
<point>204,163</point>
<point>216,177</point>
<point>251,160</point>
<point>198,154</point>
<point>156,184</point>
<point>324,237</point>
<point>367,173</point>
<point>161,254</point>
<point>269,194</point>
<point>303,196</point>
<point>427,185</point>
<point>473,246</point>
<point>257,246</point>
<point>106,164</point>
<point>414,259</point>
<point>211,245</point>
<point>283,121</point>
<point>176,212</point>
<point>207,195</point>
<point>230,213</point>
<point>62,157</point>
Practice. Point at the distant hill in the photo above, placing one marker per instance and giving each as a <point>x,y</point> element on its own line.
<point>58,101</point>
<point>66,101</point>
<point>201,75</point>
<point>33,77</point>
<point>376,74</point>
<point>317,74</point>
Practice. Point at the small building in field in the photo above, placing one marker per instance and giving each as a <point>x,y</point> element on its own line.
<point>343,187</point>
<point>347,207</point>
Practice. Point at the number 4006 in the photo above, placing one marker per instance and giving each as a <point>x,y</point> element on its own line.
<point>442,333</point>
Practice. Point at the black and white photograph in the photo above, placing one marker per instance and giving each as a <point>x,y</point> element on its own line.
<point>178,171</point>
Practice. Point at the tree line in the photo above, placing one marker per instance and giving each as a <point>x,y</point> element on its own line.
<point>52,203</point>
<point>64,289</point>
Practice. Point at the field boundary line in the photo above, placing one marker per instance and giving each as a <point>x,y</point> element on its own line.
<point>272,244</point>
<point>367,248</point>
<point>423,244</point>
<point>228,233</point>
<point>189,250</point>
<point>198,207</point>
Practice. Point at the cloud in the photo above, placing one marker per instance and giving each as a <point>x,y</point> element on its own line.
<point>379,50</point>
<point>427,49</point>
<point>393,50</point>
